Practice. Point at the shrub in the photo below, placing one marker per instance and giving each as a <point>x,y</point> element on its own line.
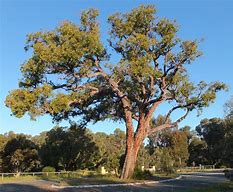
<point>166,161</point>
<point>139,174</point>
<point>48,169</point>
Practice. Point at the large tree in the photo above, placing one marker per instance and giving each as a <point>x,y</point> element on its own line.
<point>70,74</point>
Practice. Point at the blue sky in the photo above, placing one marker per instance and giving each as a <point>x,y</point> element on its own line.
<point>211,20</point>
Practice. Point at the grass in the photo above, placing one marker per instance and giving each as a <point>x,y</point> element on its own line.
<point>165,175</point>
<point>67,179</point>
<point>101,179</point>
<point>12,179</point>
<point>84,179</point>
<point>223,187</point>
<point>93,180</point>
<point>77,179</point>
<point>199,170</point>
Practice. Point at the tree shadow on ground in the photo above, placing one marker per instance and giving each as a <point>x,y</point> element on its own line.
<point>16,187</point>
<point>91,181</point>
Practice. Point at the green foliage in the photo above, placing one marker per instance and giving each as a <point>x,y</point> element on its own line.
<point>64,76</point>
<point>24,100</point>
<point>144,158</point>
<point>20,154</point>
<point>198,152</point>
<point>228,108</point>
<point>212,131</point>
<point>214,144</point>
<point>69,149</point>
<point>169,149</point>
<point>3,141</point>
<point>141,175</point>
<point>48,169</point>
<point>111,148</point>
<point>166,161</point>
<point>39,140</point>
<point>228,143</point>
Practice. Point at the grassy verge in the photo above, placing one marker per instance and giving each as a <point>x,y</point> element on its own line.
<point>72,179</point>
<point>12,179</point>
<point>99,179</point>
<point>199,170</point>
<point>223,187</point>
<point>161,176</point>
<point>94,180</point>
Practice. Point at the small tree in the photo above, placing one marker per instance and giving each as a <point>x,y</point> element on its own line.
<point>69,75</point>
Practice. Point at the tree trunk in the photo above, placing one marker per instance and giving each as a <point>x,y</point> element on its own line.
<point>130,159</point>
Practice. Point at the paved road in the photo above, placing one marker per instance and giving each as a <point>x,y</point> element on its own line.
<point>187,182</point>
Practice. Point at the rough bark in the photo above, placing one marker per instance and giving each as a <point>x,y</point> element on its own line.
<point>133,144</point>
<point>130,161</point>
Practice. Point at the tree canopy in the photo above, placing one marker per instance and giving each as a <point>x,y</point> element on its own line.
<point>65,77</point>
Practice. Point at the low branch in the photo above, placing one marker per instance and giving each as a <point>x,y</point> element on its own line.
<point>181,118</point>
<point>159,128</point>
<point>177,107</point>
<point>167,125</point>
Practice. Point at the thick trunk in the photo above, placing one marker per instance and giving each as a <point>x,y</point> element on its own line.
<point>129,164</point>
<point>130,159</point>
<point>133,143</point>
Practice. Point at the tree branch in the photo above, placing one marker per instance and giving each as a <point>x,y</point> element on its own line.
<point>124,99</point>
<point>167,125</point>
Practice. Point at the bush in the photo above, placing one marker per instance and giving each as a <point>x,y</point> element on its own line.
<point>166,163</point>
<point>139,174</point>
<point>222,166</point>
<point>48,169</point>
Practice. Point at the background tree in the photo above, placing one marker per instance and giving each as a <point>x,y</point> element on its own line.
<point>189,132</point>
<point>111,148</point>
<point>69,75</point>
<point>198,152</point>
<point>3,141</point>
<point>228,123</point>
<point>179,148</point>
<point>68,149</point>
<point>172,144</point>
<point>228,108</point>
<point>228,142</point>
<point>20,155</point>
<point>39,139</point>
<point>212,131</point>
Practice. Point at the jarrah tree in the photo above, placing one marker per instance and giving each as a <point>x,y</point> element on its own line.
<point>70,73</point>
